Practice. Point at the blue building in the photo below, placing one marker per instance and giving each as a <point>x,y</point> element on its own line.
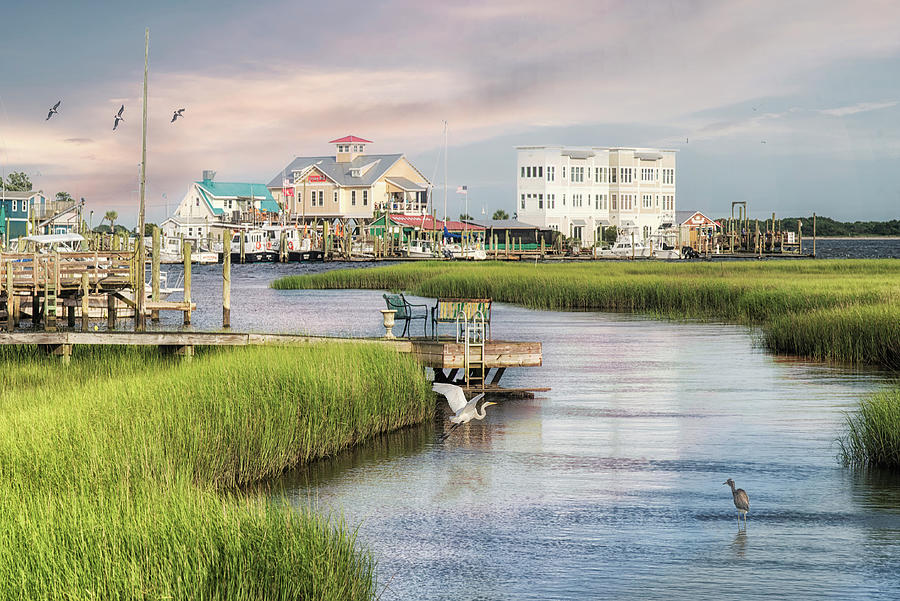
<point>15,211</point>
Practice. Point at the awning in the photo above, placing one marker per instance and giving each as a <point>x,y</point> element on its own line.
<point>405,184</point>
<point>578,222</point>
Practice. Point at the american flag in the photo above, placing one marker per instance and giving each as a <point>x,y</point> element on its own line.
<point>462,190</point>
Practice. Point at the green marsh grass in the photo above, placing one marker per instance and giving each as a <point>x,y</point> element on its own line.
<point>122,473</point>
<point>872,437</point>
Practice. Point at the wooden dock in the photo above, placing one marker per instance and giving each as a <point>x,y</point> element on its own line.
<point>436,354</point>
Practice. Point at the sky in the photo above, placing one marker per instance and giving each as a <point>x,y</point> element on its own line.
<point>792,107</point>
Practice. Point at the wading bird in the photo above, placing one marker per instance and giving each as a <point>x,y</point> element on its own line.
<point>119,117</point>
<point>53,110</point>
<point>741,501</point>
<point>464,411</point>
<point>176,115</point>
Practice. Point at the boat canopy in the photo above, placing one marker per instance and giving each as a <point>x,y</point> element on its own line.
<point>55,238</point>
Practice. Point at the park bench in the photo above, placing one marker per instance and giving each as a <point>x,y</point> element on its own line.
<point>407,312</point>
<point>458,310</point>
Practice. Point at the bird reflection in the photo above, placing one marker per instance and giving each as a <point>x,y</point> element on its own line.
<point>739,544</point>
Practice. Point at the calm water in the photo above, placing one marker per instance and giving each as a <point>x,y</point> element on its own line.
<point>854,249</point>
<point>610,485</point>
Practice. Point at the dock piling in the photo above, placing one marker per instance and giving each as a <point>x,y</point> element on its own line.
<point>85,308</point>
<point>154,273</point>
<point>226,283</point>
<point>186,247</point>
<point>110,312</point>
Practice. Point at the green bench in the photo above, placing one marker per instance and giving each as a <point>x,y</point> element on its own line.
<point>407,312</point>
<point>456,310</point>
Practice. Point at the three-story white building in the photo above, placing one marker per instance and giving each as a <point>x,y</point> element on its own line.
<point>578,190</point>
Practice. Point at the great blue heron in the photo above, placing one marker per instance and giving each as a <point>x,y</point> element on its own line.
<point>464,411</point>
<point>53,110</point>
<point>741,501</point>
<point>119,117</point>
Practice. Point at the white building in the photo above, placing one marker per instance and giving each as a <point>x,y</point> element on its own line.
<point>578,190</point>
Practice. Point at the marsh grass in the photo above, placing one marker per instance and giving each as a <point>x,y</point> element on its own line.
<point>119,472</point>
<point>872,433</point>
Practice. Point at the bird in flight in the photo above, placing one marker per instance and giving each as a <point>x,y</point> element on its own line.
<point>53,110</point>
<point>464,411</point>
<point>177,114</point>
<point>741,501</point>
<point>119,117</point>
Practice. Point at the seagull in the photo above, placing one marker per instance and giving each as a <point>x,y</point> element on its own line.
<point>464,411</point>
<point>53,110</point>
<point>176,115</point>
<point>119,117</point>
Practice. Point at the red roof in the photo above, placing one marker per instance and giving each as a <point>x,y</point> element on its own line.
<point>427,223</point>
<point>349,139</point>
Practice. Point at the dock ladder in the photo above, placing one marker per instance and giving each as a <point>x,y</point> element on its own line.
<point>472,331</point>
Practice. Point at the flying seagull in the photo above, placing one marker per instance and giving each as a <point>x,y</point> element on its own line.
<point>177,114</point>
<point>119,117</point>
<point>53,110</point>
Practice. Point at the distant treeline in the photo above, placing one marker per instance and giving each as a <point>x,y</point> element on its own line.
<point>825,226</point>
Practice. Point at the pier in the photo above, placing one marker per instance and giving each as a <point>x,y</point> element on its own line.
<point>446,358</point>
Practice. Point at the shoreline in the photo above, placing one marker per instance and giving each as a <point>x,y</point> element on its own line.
<point>807,238</point>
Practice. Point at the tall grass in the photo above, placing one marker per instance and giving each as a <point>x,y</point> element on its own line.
<point>872,437</point>
<point>116,473</point>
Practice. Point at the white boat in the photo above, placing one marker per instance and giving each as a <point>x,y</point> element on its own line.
<point>664,246</point>
<point>468,253</point>
<point>421,249</point>
<point>624,248</point>
<point>170,252</point>
<point>50,243</point>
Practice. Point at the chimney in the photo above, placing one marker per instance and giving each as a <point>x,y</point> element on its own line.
<point>208,175</point>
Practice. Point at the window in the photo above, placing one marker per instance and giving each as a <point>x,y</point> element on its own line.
<point>15,205</point>
<point>523,201</point>
<point>365,198</point>
<point>197,201</point>
<point>353,197</point>
<point>523,172</point>
<point>564,197</point>
<point>540,201</point>
<point>335,196</point>
<point>551,173</point>
<point>564,174</point>
<point>540,171</point>
<point>527,171</point>
<point>321,198</point>
<point>612,173</point>
<point>614,197</point>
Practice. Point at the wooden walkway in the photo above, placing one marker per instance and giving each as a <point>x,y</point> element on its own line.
<point>437,354</point>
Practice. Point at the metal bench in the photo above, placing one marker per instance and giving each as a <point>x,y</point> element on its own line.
<point>454,310</point>
<point>407,312</point>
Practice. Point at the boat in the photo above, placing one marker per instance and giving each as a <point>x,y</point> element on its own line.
<point>469,253</point>
<point>50,243</point>
<point>663,246</point>
<point>170,251</point>
<point>420,249</point>
<point>624,248</point>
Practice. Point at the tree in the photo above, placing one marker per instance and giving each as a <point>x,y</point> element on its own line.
<point>465,217</point>
<point>63,197</point>
<point>17,181</point>
<point>610,234</point>
<point>110,216</point>
<point>500,214</point>
<point>148,229</point>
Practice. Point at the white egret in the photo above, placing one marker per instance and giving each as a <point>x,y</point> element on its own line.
<point>464,411</point>
<point>741,501</point>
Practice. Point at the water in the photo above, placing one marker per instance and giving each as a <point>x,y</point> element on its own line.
<point>856,248</point>
<point>609,485</point>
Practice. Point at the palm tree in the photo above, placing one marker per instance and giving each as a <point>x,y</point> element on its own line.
<point>111,216</point>
<point>500,214</point>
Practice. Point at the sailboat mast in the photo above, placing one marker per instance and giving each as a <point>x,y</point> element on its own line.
<point>445,172</point>
<point>139,287</point>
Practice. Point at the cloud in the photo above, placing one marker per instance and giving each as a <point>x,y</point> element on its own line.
<point>78,140</point>
<point>860,107</point>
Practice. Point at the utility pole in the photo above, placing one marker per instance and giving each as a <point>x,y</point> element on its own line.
<point>139,319</point>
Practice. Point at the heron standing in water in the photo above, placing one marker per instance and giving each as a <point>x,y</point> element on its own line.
<point>741,501</point>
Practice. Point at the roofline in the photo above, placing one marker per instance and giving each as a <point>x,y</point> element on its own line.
<point>586,148</point>
<point>344,140</point>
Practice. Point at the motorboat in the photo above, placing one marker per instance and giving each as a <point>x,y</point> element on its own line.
<point>420,249</point>
<point>624,248</point>
<point>468,253</point>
